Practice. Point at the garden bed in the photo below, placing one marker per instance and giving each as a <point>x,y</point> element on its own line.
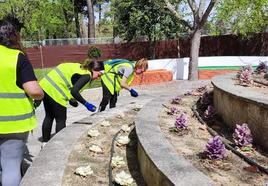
<point>100,162</point>
<point>191,144</point>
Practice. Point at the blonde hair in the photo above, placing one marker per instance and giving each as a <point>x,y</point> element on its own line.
<point>142,63</point>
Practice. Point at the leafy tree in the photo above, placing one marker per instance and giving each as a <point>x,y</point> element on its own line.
<point>143,18</point>
<point>199,11</point>
<point>243,17</point>
<point>55,23</point>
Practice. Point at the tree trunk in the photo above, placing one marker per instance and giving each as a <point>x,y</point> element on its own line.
<point>194,53</point>
<point>91,24</point>
<point>178,47</point>
<point>77,25</point>
<point>264,47</point>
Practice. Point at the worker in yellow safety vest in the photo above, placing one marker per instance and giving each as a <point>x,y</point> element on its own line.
<point>18,88</point>
<point>62,84</point>
<point>118,74</point>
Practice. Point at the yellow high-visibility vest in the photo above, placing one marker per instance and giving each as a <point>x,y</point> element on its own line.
<point>57,83</point>
<point>16,109</point>
<point>111,77</point>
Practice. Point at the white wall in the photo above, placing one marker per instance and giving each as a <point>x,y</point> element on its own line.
<point>179,67</point>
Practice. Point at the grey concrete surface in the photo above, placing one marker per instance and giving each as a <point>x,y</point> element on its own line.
<point>237,104</point>
<point>49,163</point>
<point>159,162</point>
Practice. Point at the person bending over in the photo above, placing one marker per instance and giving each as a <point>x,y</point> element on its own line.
<point>62,84</point>
<point>118,74</point>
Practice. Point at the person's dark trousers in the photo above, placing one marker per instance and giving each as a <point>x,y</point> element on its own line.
<point>53,111</point>
<point>107,97</point>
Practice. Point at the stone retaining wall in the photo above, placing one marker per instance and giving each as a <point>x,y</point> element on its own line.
<point>237,105</point>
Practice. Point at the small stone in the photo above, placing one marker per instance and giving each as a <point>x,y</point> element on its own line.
<point>95,148</point>
<point>123,179</point>
<point>125,128</point>
<point>122,140</point>
<point>105,123</point>
<point>83,171</point>
<point>117,161</point>
<point>93,133</point>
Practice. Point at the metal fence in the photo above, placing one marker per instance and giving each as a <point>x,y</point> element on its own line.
<point>71,41</point>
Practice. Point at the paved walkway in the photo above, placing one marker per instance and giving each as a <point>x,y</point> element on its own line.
<point>94,96</point>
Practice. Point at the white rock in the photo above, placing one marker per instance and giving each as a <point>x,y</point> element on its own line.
<point>123,178</point>
<point>95,148</point>
<point>105,123</point>
<point>125,128</point>
<point>83,171</point>
<point>117,161</point>
<point>122,140</point>
<point>93,133</point>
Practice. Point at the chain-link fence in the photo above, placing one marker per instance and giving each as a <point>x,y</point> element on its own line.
<point>71,41</point>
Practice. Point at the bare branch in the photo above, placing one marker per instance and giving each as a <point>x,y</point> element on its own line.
<point>207,12</point>
<point>201,8</point>
<point>177,15</point>
<point>192,6</point>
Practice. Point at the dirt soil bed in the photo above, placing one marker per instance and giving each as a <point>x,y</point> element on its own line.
<point>259,84</point>
<point>99,162</point>
<point>232,170</point>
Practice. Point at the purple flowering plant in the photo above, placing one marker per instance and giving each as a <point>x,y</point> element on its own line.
<point>262,67</point>
<point>205,100</point>
<point>176,100</point>
<point>215,148</point>
<point>172,111</point>
<point>242,135</point>
<point>245,77</point>
<point>181,122</point>
<point>210,112</point>
<point>188,93</point>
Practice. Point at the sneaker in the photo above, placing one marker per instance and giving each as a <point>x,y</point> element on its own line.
<point>43,145</point>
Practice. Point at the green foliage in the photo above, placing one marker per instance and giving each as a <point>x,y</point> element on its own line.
<point>136,18</point>
<point>94,52</point>
<point>241,16</point>
<point>42,18</point>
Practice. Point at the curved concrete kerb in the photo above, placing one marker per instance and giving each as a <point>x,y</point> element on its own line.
<point>237,104</point>
<point>48,167</point>
<point>159,163</point>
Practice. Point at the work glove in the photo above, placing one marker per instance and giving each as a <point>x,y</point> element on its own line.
<point>133,93</point>
<point>73,102</point>
<point>90,107</point>
<point>37,103</point>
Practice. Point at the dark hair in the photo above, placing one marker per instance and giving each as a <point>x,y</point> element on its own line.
<point>9,30</point>
<point>92,65</point>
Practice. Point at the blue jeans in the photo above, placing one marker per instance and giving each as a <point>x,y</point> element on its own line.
<point>11,156</point>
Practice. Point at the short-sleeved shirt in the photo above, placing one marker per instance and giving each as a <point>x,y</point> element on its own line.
<point>25,70</point>
<point>25,73</point>
<point>125,71</point>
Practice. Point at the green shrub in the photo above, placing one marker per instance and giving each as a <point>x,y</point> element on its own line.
<point>94,52</point>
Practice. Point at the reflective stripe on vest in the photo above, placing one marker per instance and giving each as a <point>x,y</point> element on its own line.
<point>112,79</point>
<point>16,109</point>
<point>13,95</point>
<point>56,87</point>
<point>63,78</point>
<point>17,117</point>
<point>57,83</point>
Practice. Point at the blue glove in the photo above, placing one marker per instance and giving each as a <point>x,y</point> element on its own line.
<point>90,107</point>
<point>133,93</point>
